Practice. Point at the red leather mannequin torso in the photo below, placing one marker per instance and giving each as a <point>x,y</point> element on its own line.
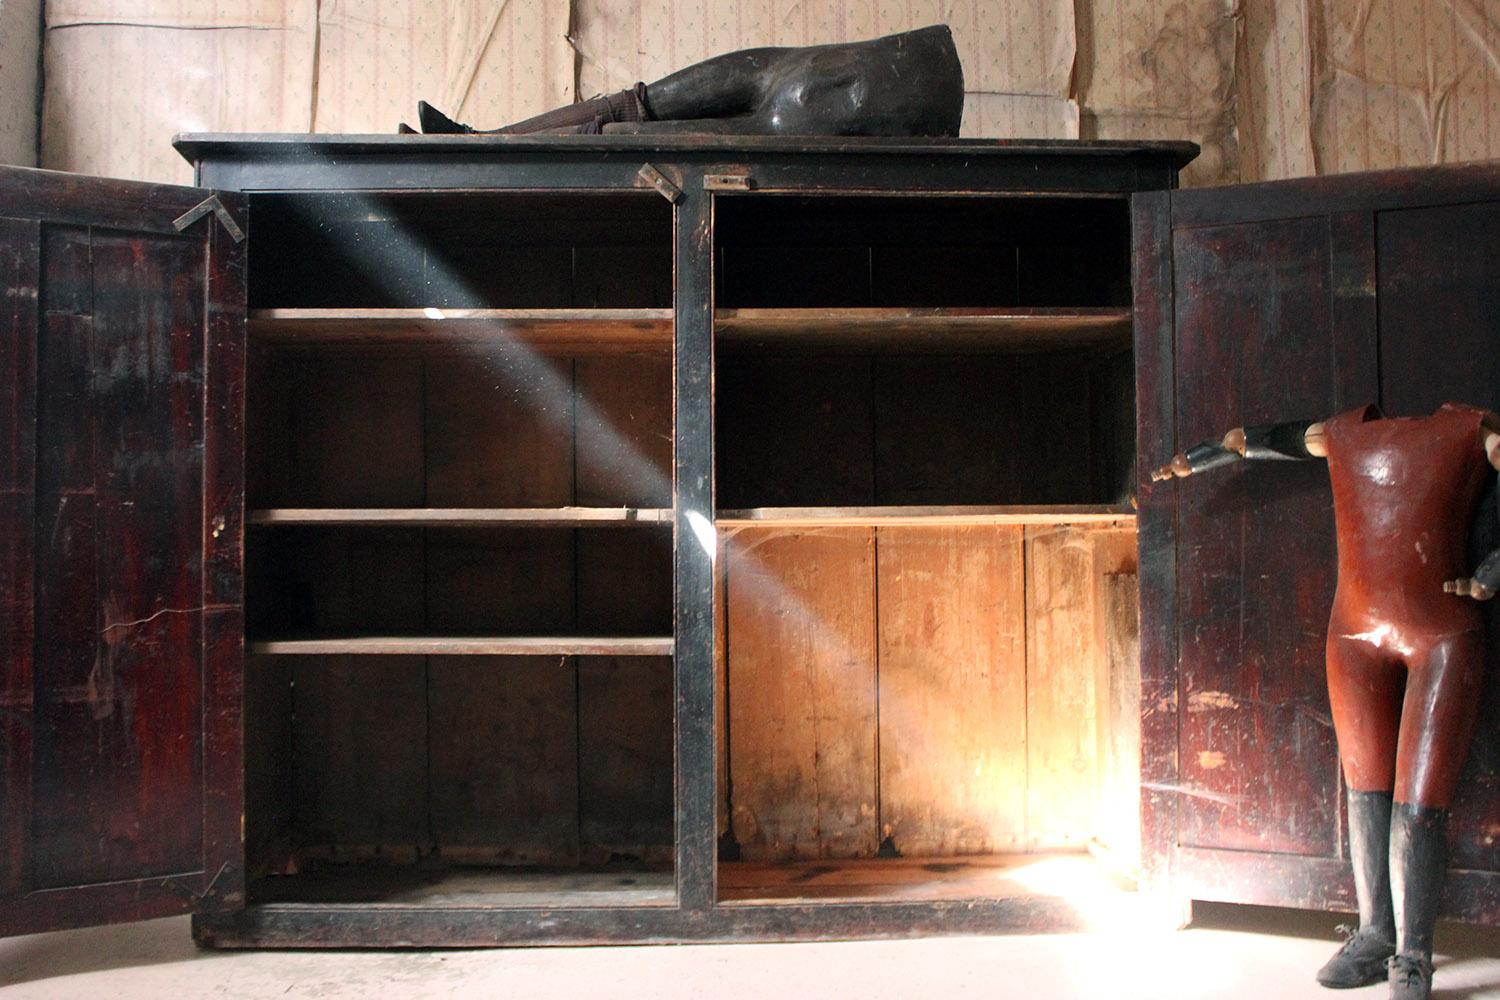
<point>1404,494</point>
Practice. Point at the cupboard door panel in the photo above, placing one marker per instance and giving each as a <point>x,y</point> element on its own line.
<point>1424,286</point>
<point>1272,302</point>
<point>1255,548</point>
<point>121,359</point>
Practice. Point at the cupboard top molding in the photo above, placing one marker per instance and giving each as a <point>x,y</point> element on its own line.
<point>286,161</point>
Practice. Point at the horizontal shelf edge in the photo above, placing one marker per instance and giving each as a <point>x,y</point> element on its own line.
<point>459,516</point>
<point>798,517</point>
<point>467,646</point>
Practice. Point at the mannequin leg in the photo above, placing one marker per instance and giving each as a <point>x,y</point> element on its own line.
<point>1365,687</point>
<point>1437,724</point>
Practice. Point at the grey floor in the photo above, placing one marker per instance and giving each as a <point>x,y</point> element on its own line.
<point>1239,952</point>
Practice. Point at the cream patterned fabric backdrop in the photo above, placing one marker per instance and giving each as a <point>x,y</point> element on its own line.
<point>1269,88</point>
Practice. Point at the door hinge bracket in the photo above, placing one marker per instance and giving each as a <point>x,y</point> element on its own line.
<point>727,182</point>
<point>661,182</point>
<point>214,205</point>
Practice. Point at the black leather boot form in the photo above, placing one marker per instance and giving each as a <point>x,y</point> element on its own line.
<point>1419,862</point>
<point>1362,959</point>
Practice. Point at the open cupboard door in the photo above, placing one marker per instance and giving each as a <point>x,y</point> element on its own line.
<point>1282,301</point>
<point>121,385</point>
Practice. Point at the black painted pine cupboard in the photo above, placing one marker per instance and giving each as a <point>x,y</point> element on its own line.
<point>251,524</point>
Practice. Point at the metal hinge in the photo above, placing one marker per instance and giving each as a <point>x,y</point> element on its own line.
<point>726,182</point>
<point>661,182</point>
<point>214,205</point>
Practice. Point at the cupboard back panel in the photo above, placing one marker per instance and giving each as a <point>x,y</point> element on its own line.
<point>485,428</point>
<point>790,251</point>
<point>924,691</point>
<point>898,430</point>
<point>486,760</point>
<point>467,250</point>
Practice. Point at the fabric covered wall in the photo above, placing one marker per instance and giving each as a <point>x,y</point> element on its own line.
<point>1270,88</point>
<point>20,33</point>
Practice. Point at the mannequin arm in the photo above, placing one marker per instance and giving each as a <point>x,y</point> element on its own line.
<point>1295,441</point>
<point>1486,579</point>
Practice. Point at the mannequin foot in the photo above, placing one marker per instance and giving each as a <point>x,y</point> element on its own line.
<point>1410,977</point>
<point>434,121</point>
<point>1360,962</point>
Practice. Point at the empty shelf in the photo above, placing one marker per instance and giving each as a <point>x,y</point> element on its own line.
<point>437,517</point>
<point>926,330</point>
<point>468,646</point>
<point>626,330</point>
<point>799,517</point>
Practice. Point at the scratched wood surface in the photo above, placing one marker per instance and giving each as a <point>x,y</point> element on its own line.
<point>802,693</point>
<point>1255,546</point>
<point>1117,693</point>
<point>1416,284</point>
<point>953,732</point>
<point>993,680</point>
<point>118,361</point>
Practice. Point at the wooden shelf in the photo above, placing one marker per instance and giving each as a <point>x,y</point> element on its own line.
<point>443,517</point>
<point>594,330</point>
<point>943,330</point>
<point>644,330</point>
<point>823,517</point>
<point>468,646</point>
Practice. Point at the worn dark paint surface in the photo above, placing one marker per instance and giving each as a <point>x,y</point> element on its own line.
<point>813,166</point>
<point>1273,302</point>
<point>120,565</point>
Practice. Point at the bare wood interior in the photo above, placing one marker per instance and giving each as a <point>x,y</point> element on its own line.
<point>459,545</point>
<point>927,547</point>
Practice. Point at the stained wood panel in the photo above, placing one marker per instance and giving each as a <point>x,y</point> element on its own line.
<point>1459,294</point>
<point>1255,545</point>
<point>624,435</point>
<point>952,653</point>
<point>20,251</point>
<point>802,689</point>
<point>498,429</point>
<point>1061,717</point>
<point>357,433</point>
<point>1117,690</point>
<point>625,767</point>
<point>119,398</point>
<point>122,596</point>
<point>504,758</point>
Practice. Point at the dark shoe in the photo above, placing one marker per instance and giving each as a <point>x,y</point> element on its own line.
<point>1410,977</point>
<point>434,122</point>
<point>1360,962</point>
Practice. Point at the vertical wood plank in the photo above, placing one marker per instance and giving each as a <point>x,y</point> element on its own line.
<point>504,733</point>
<point>350,410</point>
<point>119,690</point>
<point>223,544</point>
<point>625,758</point>
<point>1155,379</point>
<point>1118,823</point>
<point>505,758</point>
<point>801,620</point>
<point>624,445</point>
<point>1061,744</point>
<point>20,251</point>
<point>952,657</point>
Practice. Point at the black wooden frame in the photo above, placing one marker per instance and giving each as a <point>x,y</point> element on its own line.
<point>272,163</point>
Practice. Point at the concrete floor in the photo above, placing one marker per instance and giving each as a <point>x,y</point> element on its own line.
<point>1231,952</point>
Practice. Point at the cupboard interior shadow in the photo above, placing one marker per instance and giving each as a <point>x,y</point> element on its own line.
<point>505,780</point>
